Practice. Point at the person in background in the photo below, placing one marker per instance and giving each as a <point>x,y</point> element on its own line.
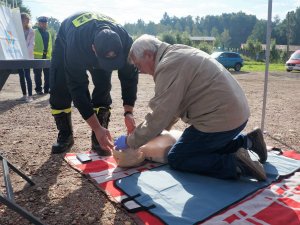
<point>24,74</point>
<point>191,85</point>
<point>42,50</point>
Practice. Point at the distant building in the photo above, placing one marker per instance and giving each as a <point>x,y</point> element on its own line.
<point>197,40</point>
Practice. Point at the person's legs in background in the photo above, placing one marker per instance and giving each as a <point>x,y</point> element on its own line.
<point>29,85</point>
<point>46,80</point>
<point>22,84</point>
<point>38,81</point>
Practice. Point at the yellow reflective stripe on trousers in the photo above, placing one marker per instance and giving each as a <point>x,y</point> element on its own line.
<point>58,111</point>
<point>96,110</point>
<point>86,17</point>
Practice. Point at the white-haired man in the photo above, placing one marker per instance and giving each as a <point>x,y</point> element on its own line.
<point>191,85</point>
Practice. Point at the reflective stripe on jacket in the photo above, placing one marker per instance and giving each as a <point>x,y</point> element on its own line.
<point>39,46</point>
<point>86,17</point>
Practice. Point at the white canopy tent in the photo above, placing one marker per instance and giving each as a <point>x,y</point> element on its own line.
<point>269,27</point>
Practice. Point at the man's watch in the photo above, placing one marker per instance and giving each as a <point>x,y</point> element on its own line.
<point>128,112</point>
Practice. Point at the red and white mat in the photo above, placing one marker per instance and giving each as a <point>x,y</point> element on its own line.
<point>278,204</point>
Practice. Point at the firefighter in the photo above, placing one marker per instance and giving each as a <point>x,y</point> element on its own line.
<point>94,43</point>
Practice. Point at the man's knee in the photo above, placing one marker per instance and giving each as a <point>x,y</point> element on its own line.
<point>174,160</point>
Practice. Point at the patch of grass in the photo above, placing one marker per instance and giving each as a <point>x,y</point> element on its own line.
<point>253,66</point>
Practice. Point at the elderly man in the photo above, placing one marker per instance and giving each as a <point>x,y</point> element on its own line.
<point>191,85</point>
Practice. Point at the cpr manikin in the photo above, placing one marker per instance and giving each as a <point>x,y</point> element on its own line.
<point>155,150</point>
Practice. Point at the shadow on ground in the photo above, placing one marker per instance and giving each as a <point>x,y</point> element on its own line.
<point>281,142</point>
<point>238,72</point>
<point>9,104</point>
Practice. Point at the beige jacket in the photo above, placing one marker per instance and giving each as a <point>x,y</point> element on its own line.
<point>191,85</point>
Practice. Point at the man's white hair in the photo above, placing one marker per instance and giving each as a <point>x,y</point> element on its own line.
<point>144,43</point>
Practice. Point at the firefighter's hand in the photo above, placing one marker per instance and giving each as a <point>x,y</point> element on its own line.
<point>129,122</point>
<point>104,138</point>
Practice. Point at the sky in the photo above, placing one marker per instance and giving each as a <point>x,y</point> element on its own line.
<point>129,11</point>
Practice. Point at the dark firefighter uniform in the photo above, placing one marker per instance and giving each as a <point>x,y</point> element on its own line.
<point>72,57</point>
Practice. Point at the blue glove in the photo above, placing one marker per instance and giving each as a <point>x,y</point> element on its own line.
<point>120,142</point>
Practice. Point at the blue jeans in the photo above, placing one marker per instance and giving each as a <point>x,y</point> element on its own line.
<point>208,153</point>
<point>25,74</point>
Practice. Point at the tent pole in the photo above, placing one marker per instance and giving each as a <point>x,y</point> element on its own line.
<point>269,27</point>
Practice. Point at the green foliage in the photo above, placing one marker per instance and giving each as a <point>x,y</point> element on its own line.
<point>205,47</point>
<point>179,39</point>
<point>239,27</point>
<point>274,53</point>
<point>53,34</point>
<point>284,56</point>
<point>168,38</point>
<point>259,31</point>
<point>186,39</point>
<point>229,29</point>
<point>54,24</point>
<point>225,39</point>
<point>246,58</point>
<point>254,47</point>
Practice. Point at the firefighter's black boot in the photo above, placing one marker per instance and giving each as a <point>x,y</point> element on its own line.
<point>65,138</point>
<point>103,116</point>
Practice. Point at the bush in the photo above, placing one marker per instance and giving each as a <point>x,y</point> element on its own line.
<point>205,47</point>
<point>168,38</point>
<point>246,58</point>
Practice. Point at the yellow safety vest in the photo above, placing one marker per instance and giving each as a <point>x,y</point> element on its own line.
<point>39,46</point>
<point>86,17</point>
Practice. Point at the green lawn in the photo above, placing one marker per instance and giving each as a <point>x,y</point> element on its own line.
<point>253,66</point>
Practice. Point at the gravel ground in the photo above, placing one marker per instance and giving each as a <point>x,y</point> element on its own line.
<point>62,196</point>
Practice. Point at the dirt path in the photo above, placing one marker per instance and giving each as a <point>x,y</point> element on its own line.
<point>62,196</point>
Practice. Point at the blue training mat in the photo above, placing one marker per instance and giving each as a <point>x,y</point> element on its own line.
<point>187,198</point>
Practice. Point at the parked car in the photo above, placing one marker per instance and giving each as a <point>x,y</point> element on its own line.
<point>294,62</point>
<point>229,59</point>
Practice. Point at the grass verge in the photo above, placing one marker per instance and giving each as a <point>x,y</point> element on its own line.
<point>253,66</point>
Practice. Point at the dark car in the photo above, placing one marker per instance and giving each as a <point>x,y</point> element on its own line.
<point>229,59</point>
<point>294,62</point>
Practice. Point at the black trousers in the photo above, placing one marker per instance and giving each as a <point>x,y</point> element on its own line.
<point>38,79</point>
<point>60,97</point>
<point>25,75</point>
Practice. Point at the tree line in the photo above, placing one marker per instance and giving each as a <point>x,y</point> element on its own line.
<point>229,29</point>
